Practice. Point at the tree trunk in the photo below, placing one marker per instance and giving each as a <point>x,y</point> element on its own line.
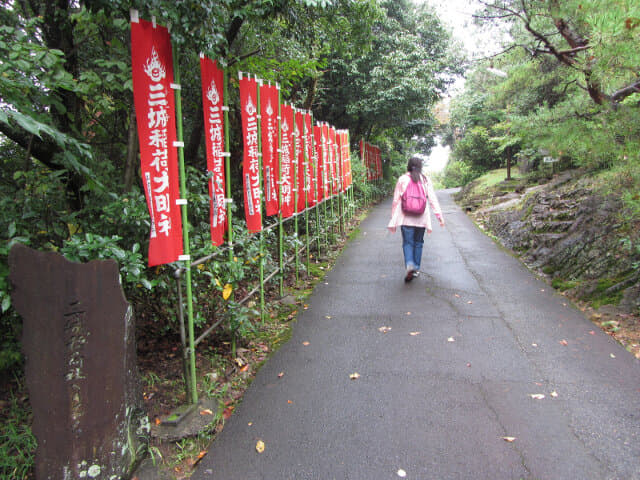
<point>311,94</point>
<point>132,148</point>
<point>191,149</point>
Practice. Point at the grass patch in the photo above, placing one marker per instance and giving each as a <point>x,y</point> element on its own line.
<point>563,285</point>
<point>17,442</point>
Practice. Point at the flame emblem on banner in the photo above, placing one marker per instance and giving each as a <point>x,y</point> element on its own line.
<point>251,108</point>
<point>285,126</point>
<point>154,68</point>
<point>269,109</point>
<point>212,93</point>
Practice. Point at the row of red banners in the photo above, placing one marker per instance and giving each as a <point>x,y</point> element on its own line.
<point>372,160</point>
<point>312,163</point>
<point>301,164</point>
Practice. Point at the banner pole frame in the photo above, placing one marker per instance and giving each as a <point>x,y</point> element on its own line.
<point>227,162</point>
<point>296,139</point>
<point>280,219</point>
<point>185,229</point>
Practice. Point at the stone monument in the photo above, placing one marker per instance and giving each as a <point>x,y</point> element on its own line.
<point>79,345</point>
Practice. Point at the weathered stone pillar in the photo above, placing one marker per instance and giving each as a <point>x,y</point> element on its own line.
<point>79,345</point>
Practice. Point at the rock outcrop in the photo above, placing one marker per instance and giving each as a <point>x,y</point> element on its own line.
<point>565,230</point>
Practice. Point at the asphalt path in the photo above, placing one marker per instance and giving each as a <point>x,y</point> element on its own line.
<point>450,389</point>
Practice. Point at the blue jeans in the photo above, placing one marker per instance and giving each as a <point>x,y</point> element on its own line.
<point>412,242</point>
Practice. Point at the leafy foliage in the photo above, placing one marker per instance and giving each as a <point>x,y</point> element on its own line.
<point>570,90</point>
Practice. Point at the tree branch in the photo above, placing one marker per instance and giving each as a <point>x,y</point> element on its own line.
<point>41,150</point>
<point>623,93</point>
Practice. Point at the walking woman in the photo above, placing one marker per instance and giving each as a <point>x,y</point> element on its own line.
<point>413,223</point>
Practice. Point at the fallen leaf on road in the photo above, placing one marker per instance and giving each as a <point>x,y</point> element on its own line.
<point>413,334</point>
<point>206,411</point>
<point>290,402</point>
<point>281,374</point>
<point>469,302</point>
<point>564,342</point>
<point>457,296</point>
<point>226,414</point>
<point>384,329</point>
<point>612,355</point>
<point>537,396</point>
<point>354,376</point>
<point>554,394</point>
<point>199,457</point>
<point>328,317</point>
<point>451,339</point>
<point>402,473</point>
<point>509,439</point>
<point>260,446</point>
<point>534,345</point>
<point>592,332</point>
<point>469,365</point>
<point>408,313</point>
<point>306,344</point>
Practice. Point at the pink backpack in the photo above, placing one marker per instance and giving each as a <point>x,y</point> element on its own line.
<point>414,200</point>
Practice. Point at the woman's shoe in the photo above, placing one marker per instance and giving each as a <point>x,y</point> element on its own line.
<point>409,276</point>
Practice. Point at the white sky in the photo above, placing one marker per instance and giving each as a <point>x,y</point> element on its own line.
<point>458,15</point>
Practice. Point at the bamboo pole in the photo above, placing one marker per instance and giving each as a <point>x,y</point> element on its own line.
<point>279,183</point>
<point>262,253</point>
<point>227,164</point>
<point>296,135</point>
<point>308,164</point>
<point>185,230</point>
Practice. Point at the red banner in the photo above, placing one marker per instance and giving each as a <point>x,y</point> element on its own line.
<point>212,103</point>
<point>269,102</point>
<point>300,163</point>
<point>152,69</point>
<point>287,159</point>
<point>308,145</point>
<point>372,160</point>
<point>335,160</point>
<point>319,151</point>
<point>251,160</point>
<point>330,160</point>
<point>346,158</point>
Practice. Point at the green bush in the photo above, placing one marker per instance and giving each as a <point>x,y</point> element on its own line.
<point>458,173</point>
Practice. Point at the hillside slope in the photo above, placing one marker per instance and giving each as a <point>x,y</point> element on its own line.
<point>574,236</point>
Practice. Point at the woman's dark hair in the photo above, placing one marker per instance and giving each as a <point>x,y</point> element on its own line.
<point>414,167</point>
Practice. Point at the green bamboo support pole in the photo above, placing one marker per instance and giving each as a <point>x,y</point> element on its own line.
<point>363,158</point>
<point>308,164</point>
<point>185,231</point>
<point>227,165</point>
<point>262,254</point>
<point>325,178</point>
<point>279,184</point>
<point>295,192</point>
<point>314,176</point>
<point>339,168</point>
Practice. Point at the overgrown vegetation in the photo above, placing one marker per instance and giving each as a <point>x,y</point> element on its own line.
<point>566,86</point>
<point>68,149</point>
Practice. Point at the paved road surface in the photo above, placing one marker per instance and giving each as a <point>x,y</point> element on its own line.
<point>438,404</point>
